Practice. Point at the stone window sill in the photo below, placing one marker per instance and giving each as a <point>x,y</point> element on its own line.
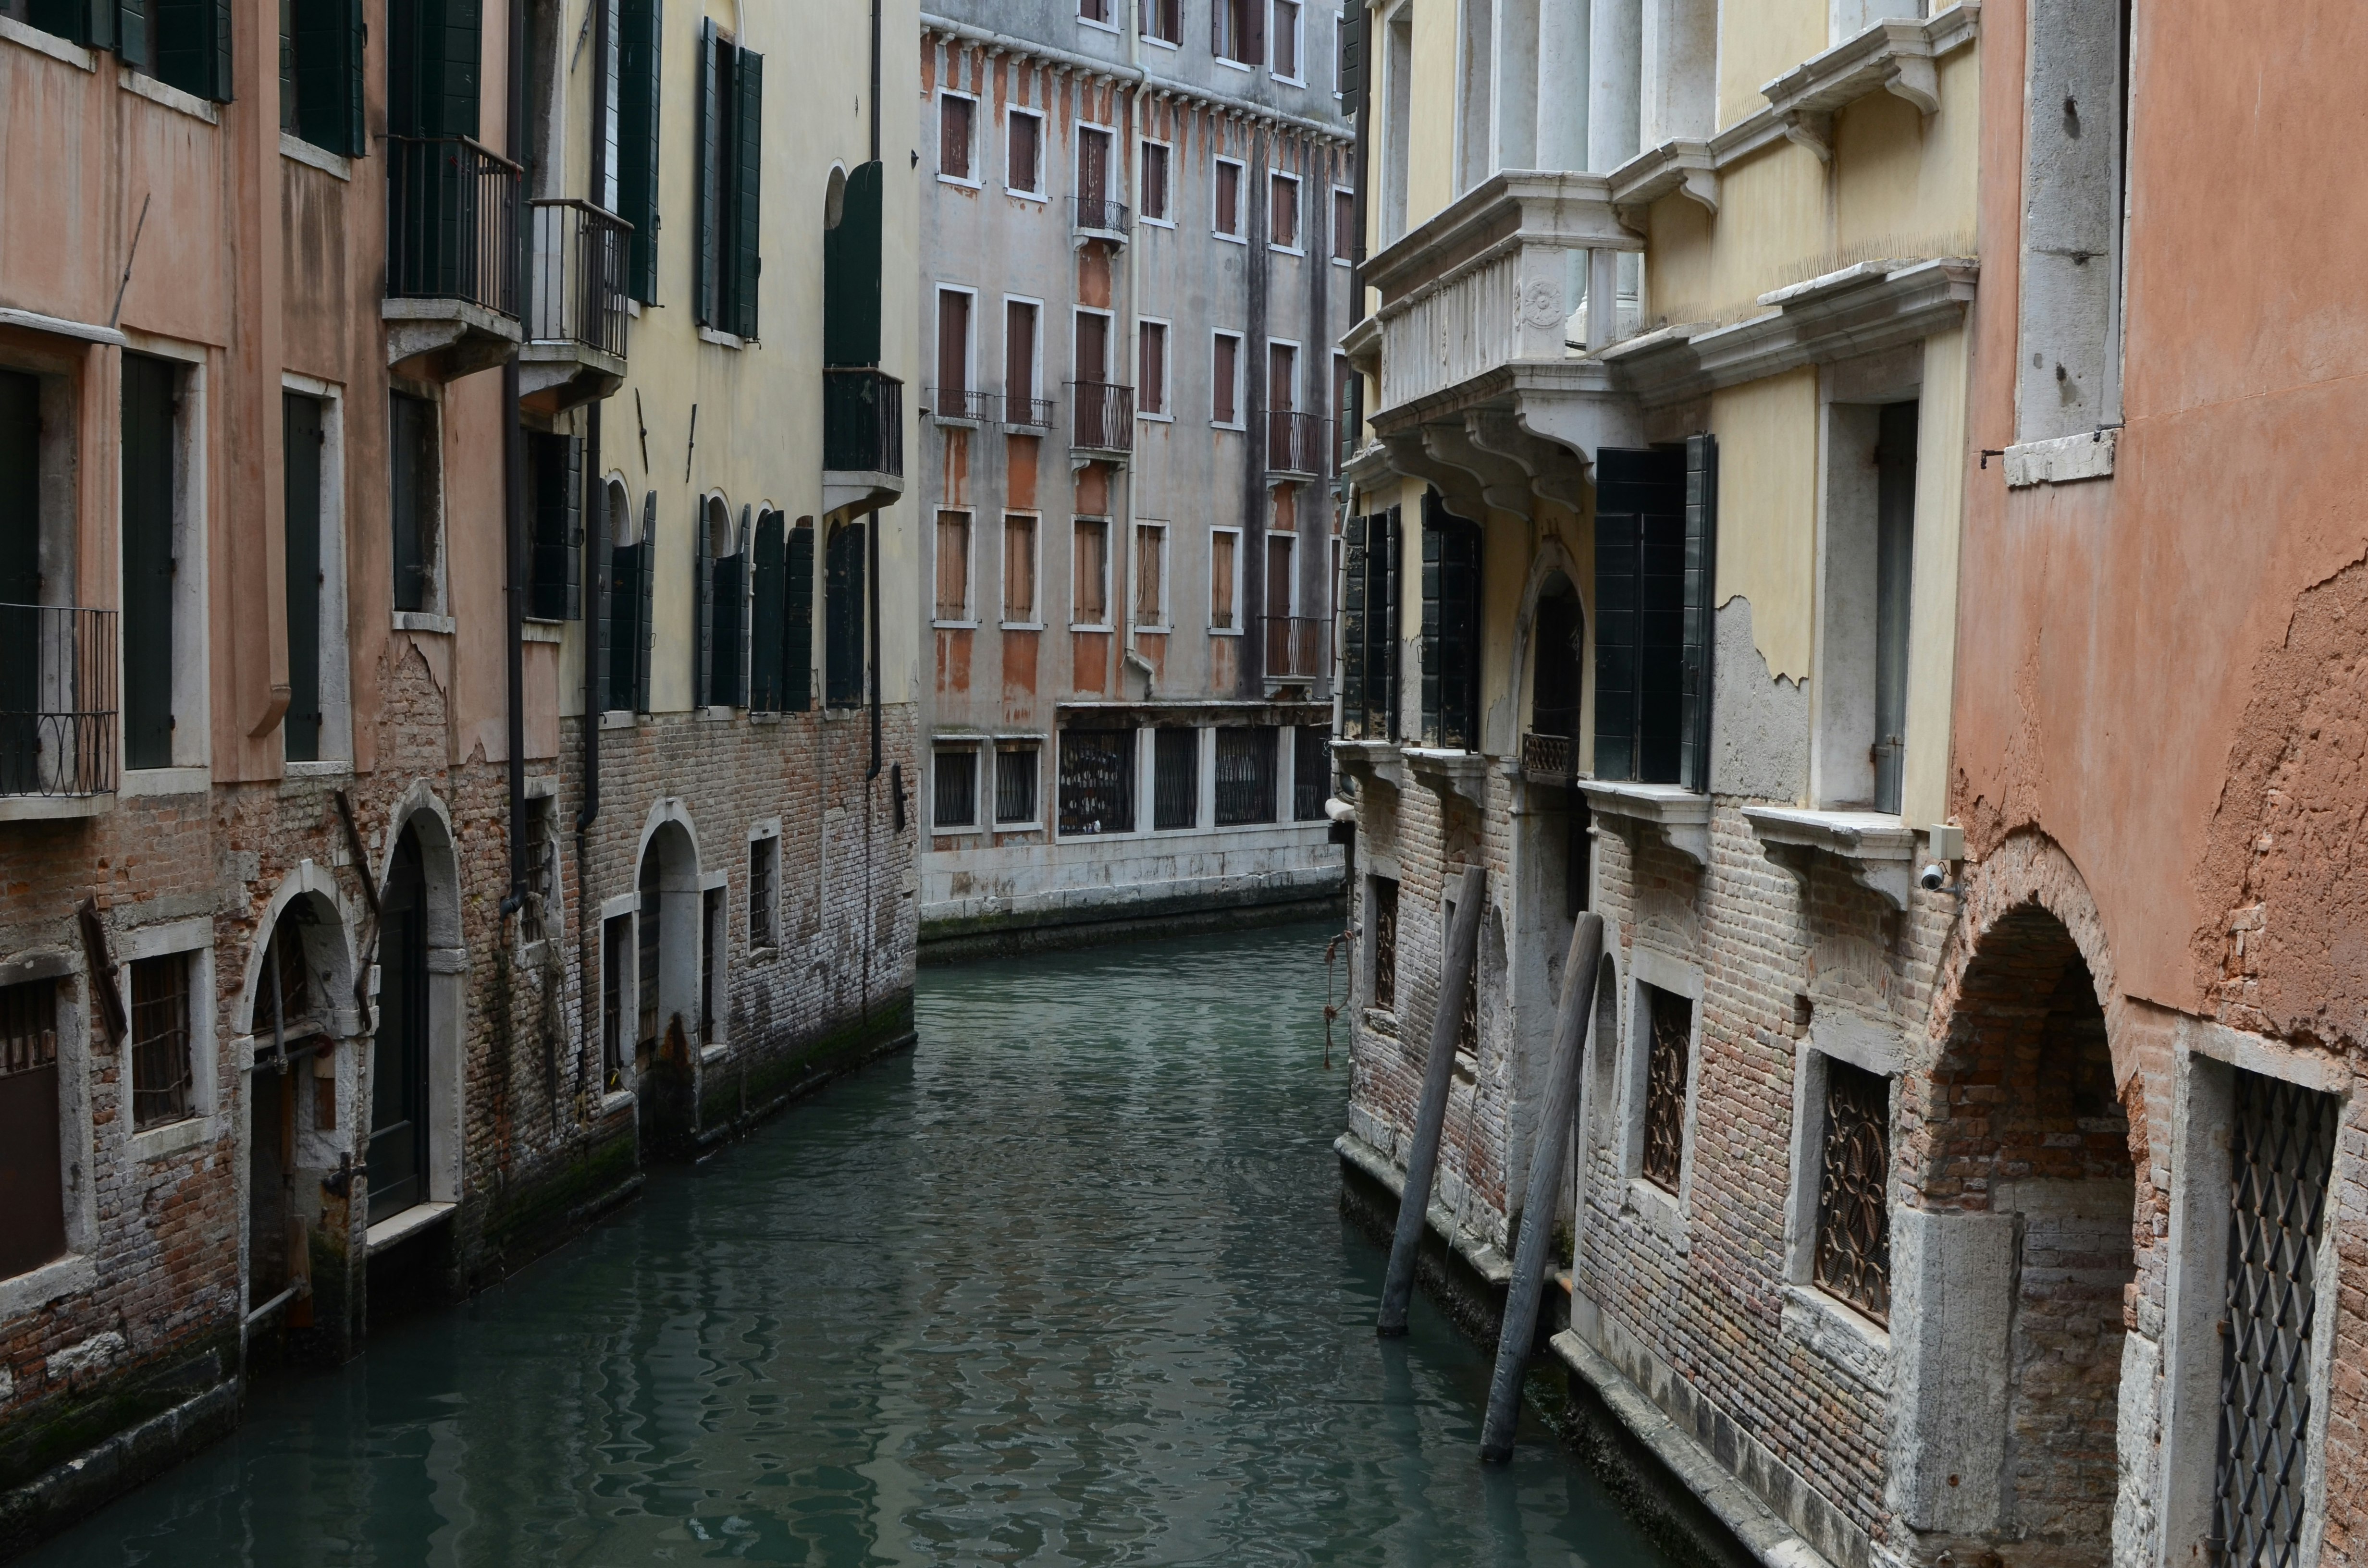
<point>296,150</point>
<point>1679,815</point>
<point>1836,1331</point>
<point>28,1293</point>
<point>619,719</point>
<point>403,1226</point>
<point>615,1101</point>
<point>1658,1212</point>
<point>541,632</point>
<point>2067,460</point>
<point>1381,760</point>
<point>423,620</point>
<point>39,42</point>
<point>173,98</point>
<point>1464,773</point>
<point>1874,849</point>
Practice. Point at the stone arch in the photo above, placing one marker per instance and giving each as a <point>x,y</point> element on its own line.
<point>1550,558</point>
<point>412,1094</point>
<point>668,967</point>
<point>310,894</point>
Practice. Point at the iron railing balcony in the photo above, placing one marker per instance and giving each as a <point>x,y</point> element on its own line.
<point>862,421</point>
<point>579,275</point>
<point>960,403</point>
<point>1028,412</point>
<point>1296,444</point>
<point>451,223</point>
<point>1101,417</point>
<point>1297,646</point>
<point>1549,758</point>
<point>1100,219</point>
<point>57,701</point>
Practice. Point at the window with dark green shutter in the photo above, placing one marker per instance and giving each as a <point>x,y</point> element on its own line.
<point>300,443</point>
<point>150,389</point>
<point>640,23</point>
<point>747,167</point>
<point>1655,527</point>
<point>850,271</point>
<point>555,503</point>
<point>183,43</point>
<point>767,568</point>
<point>730,134</point>
<point>414,461</point>
<point>1352,630</point>
<point>797,622</point>
<point>435,66</point>
<point>727,641</point>
<point>624,627</point>
<point>1451,628</point>
<point>843,616</point>
<point>321,73</point>
<point>89,22</point>
<point>1701,601</point>
<point>20,582</point>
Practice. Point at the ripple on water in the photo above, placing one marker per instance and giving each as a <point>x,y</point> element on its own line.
<point>1066,1285</point>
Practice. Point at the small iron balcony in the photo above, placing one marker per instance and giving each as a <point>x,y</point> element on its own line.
<point>575,350</point>
<point>1102,417</point>
<point>1297,445</point>
<point>1297,646</point>
<point>1099,219</point>
<point>863,421</point>
<point>57,701</point>
<point>451,250</point>
<point>960,403</point>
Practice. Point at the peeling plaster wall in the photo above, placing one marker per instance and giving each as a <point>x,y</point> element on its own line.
<point>1767,512</point>
<point>1759,723</point>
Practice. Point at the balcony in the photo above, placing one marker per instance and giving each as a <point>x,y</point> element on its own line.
<point>1298,648</point>
<point>1550,760</point>
<point>1101,420</point>
<point>576,352</point>
<point>452,303</point>
<point>1297,445</point>
<point>1028,413</point>
<point>954,405</point>
<point>862,441</point>
<point>1092,218</point>
<point>57,712</point>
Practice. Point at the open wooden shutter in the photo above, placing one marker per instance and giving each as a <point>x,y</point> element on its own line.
<point>702,669</point>
<point>554,470</point>
<point>1451,628</point>
<point>797,622</point>
<point>1352,633</point>
<point>149,388</point>
<point>645,619</point>
<point>1352,65</point>
<point>747,165</point>
<point>851,268</point>
<point>709,182</point>
<point>192,41</point>
<point>603,552</point>
<point>463,63</point>
<point>89,22</point>
<point>131,33</point>
<point>1700,593</point>
<point>1386,673</point>
<point>434,64</point>
<point>640,23</point>
<point>1640,556</point>
<point>1253,15</point>
<point>765,614</point>
<point>328,46</point>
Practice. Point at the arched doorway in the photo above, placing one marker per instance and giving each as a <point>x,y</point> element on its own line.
<point>667,1011</point>
<point>399,1066</point>
<point>298,1001</point>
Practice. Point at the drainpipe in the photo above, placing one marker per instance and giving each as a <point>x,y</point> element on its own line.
<point>872,527</point>
<point>1130,569</point>
<point>514,475</point>
<point>595,628</point>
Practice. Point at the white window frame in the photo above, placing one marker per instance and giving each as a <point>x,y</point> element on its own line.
<point>1241,408</point>
<point>1298,206</point>
<point>1332,218</point>
<point>1035,351</point>
<point>1152,38</point>
<point>192,531</point>
<point>970,348</point>
<point>982,804</point>
<point>1003,582</point>
<point>192,940</point>
<point>766,831</point>
<point>969,622</point>
<point>1009,114</point>
<point>977,179</point>
<point>1042,744</point>
<point>76,1269</point>
<point>1110,558</point>
<point>1647,1202</point>
<point>1117,8</point>
<point>715,966</point>
<point>1166,612</point>
<point>1241,233</point>
<point>336,656</point>
<point>1292,538</point>
<point>1114,176</point>
<point>1167,369</point>
<point>1142,144</point>
<point>1241,536</point>
<point>1298,41</point>
<point>1298,372</point>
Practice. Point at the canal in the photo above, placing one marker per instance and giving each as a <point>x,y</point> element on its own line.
<point>1067,1284</point>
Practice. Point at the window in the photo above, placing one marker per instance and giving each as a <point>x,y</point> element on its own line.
<point>615,956</point>
<point>152,520</point>
<point>414,463</point>
<point>953,567</point>
<point>1023,172</point>
<point>1381,904</point>
<point>1096,210</point>
<point>33,1220</point>
<point>1175,779</point>
<point>1245,776</point>
<point>1290,440</point>
<point>1669,1046</point>
<point>797,620</point>
<point>650,942</point>
<point>957,138</point>
<point>1097,781</point>
<point>638,59</point>
<point>2076,201</point>
<point>303,436</point>
<point>321,74</point>
<point>1091,333</point>
<point>1451,629</point>
<point>185,44</point>
<point>1020,403</point>
<point>1286,39</point>
<point>954,770</point>
<point>1234,30</point>
<point>1151,574</point>
<point>1163,21</point>
<point>1344,226</point>
<point>722,607</point>
<point>1866,570</point>
<point>434,67</point>
<point>607,43</point>
<point>1283,192</point>
<point>1089,605</point>
<point>778,675</point>
<point>763,882</point>
<point>730,152</point>
<point>843,612</point>
<point>1654,567</point>
<point>1369,629</point>
<point>715,978</point>
<point>1156,160</point>
<point>1282,590</point>
<point>1096,11</point>
<point>1151,370</point>
<point>161,1082</point>
<point>1852,1259</point>
<point>1226,380</point>
<point>555,485</point>
<point>1225,579</point>
<point>536,916</point>
<point>1019,569</point>
<point>1015,784</point>
<point>1225,214</point>
<point>954,399</point>
<point>1396,122</point>
<point>632,577</point>
<point>1311,773</point>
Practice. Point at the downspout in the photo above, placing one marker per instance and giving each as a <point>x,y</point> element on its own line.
<point>514,478</point>
<point>872,530</point>
<point>595,627</point>
<point>1130,169</point>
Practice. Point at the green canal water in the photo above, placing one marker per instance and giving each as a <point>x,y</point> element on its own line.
<point>1067,1284</point>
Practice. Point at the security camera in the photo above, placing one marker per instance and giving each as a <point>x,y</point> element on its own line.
<point>1933,876</point>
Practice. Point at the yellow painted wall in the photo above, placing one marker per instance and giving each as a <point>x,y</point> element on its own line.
<point>1758,41</point>
<point>1932,600</point>
<point>1431,158</point>
<point>1767,512</point>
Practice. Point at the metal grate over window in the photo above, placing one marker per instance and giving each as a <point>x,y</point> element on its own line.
<point>1176,779</point>
<point>1386,943</point>
<point>160,1040</point>
<point>1097,781</point>
<point>1245,776</point>
<point>957,786</point>
<point>1015,784</point>
<point>1311,772</point>
<point>2281,1158</point>
<point>1853,1257</point>
<point>1664,1087</point>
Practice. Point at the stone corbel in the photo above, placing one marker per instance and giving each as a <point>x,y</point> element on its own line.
<point>1411,455</point>
<point>1504,485</point>
<point>1553,473</point>
<point>1915,78</point>
<point>1460,774</point>
<point>1379,761</point>
<point>1815,132</point>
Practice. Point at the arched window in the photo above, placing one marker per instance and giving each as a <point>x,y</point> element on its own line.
<point>723,607</point>
<point>843,616</point>
<point>631,575</point>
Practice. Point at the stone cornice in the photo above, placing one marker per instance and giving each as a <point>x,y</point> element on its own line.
<point>1509,209</point>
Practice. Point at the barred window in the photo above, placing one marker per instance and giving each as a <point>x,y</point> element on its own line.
<point>1311,772</point>
<point>32,1221</point>
<point>1382,902</point>
<point>542,871</point>
<point>1015,784</point>
<point>616,955</point>
<point>957,786</point>
<point>1176,779</point>
<point>1097,781</point>
<point>1670,1017</point>
<point>1245,776</point>
<point>160,1041</point>
<point>763,864</point>
<point>1853,1255</point>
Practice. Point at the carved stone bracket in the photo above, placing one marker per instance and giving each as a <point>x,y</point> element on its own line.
<point>1381,762</point>
<point>1678,816</point>
<point>1463,774</point>
<point>1874,850</point>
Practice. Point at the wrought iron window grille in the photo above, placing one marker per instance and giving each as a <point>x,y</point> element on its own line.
<point>1853,1252</point>
<point>1667,1052</point>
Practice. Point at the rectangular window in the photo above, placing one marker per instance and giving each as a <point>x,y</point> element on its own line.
<point>1853,1260</point>
<point>715,927</point>
<point>2075,218</point>
<point>1344,225</point>
<point>1023,172</point>
<point>953,400</point>
<point>151,507</point>
<point>1451,629</point>
<point>1281,587</point>
<point>1092,334</point>
<point>1015,784</point>
<point>33,1220</point>
<point>957,121</point>
<point>797,620</point>
<point>160,1077</point>
<point>541,872</point>
<point>764,881</point>
<point>954,771</point>
<point>616,958</point>
<point>1155,162</point>
<point>1311,773</point>
<point>1095,208</point>
<point>1668,1049</point>
<point>301,438</point>
<point>1286,39</point>
<point>1381,902</point>
<point>414,464</point>
<point>1018,568</point>
<point>722,585</point>
<point>1175,779</point>
<point>1283,192</point>
<point>730,151</point>
<point>1225,579</point>
<point>555,481</point>
<point>321,73</point>
<point>1369,629</point>
<point>1097,781</point>
<point>953,567</point>
<point>1089,605</point>
<point>1226,380</point>
<point>1151,371</point>
<point>1225,213</point>
<point>844,616</point>
<point>639,24</point>
<point>1020,403</point>
<point>1236,30</point>
<point>1164,20</point>
<point>1866,573</point>
<point>1151,574</point>
<point>1655,563</point>
<point>1098,11</point>
<point>1245,776</point>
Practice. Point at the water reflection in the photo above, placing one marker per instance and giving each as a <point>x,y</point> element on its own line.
<point>1067,1284</point>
